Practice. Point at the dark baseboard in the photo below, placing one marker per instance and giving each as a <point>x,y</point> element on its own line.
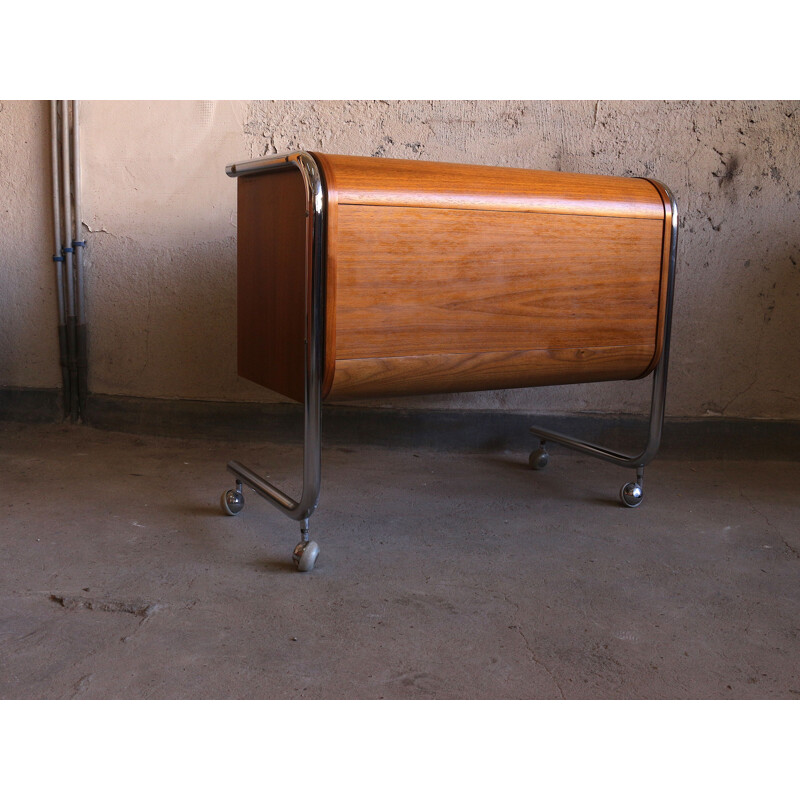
<point>463,430</point>
<point>30,405</point>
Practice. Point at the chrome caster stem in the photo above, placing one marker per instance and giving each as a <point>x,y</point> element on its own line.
<point>305,552</point>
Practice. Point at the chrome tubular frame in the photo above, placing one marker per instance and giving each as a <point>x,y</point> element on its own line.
<point>302,509</point>
<point>314,346</point>
<point>659,378</point>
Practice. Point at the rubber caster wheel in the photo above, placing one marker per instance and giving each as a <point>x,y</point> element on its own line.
<point>631,495</point>
<point>539,459</point>
<point>232,502</point>
<point>305,556</point>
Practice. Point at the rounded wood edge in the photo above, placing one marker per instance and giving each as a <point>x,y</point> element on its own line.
<point>329,295</point>
<point>430,184</point>
<point>663,291</point>
<point>469,372</point>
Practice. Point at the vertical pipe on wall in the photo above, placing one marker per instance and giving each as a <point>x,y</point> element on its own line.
<point>67,251</point>
<point>58,258</point>
<point>78,245</point>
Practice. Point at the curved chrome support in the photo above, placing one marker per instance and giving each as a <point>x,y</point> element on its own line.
<point>659,375</point>
<point>312,461</point>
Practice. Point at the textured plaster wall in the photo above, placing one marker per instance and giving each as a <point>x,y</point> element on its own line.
<point>160,224</point>
<point>28,310</point>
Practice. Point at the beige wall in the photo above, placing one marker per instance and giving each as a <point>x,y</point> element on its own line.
<point>28,311</point>
<point>160,222</point>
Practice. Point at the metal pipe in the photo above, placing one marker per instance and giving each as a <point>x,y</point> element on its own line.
<point>76,194</point>
<point>659,376</point>
<point>67,252</point>
<point>58,259</point>
<point>78,244</point>
<point>315,325</point>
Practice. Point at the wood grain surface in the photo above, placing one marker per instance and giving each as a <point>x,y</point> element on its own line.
<point>447,277</point>
<point>469,372</point>
<point>423,281</point>
<point>271,257</point>
<point>398,182</point>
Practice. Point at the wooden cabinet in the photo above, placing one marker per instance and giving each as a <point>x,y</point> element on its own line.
<point>449,277</point>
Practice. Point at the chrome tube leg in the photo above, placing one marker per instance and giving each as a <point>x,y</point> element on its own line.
<point>306,552</point>
<point>631,493</point>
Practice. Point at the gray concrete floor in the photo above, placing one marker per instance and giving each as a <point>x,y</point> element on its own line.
<point>440,576</point>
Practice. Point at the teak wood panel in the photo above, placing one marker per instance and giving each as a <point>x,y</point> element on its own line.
<point>434,281</point>
<point>437,300</point>
<point>272,257</point>
<point>477,294</point>
<point>421,184</point>
<point>375,377</point>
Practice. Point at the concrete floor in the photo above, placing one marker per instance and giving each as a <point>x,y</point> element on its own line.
<point>440,576</point>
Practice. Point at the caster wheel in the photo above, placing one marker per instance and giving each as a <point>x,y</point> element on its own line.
<point>631,495</point>
<point>305,556</point>
<point>539,459</point>
<point>232,502</point>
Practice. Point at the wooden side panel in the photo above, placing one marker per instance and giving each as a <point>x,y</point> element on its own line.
<point>271,254</point>
<point>426,184</point>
